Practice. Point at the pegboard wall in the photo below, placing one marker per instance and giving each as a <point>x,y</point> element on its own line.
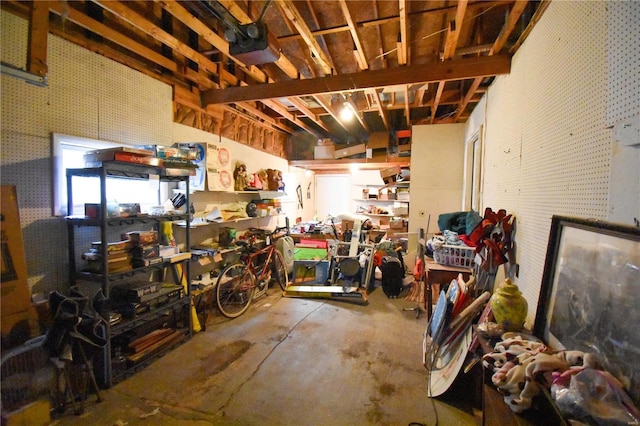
<point>623,60</point>
<point>547,145</point>
<point>89,96</point>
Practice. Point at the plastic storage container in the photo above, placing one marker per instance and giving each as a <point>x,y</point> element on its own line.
<point>462,256</point>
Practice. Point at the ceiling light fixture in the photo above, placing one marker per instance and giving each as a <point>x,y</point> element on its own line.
<point>346,113</point>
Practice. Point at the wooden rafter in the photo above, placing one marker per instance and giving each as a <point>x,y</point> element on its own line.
<point>512,19</point>
<point>358,114</point>
<point>243,17</point>
<point>325,102</point>
<point>407,109</point>
<point>282,110</point>
<point>373,93</point>
<point>289,10</point>
<point>359,50</point>
<point>184,16</point>
<point>450,43</point>
<point>316,22</point>
<point>403,42</point>
<point>109,33</point>
<point>38,31</point>
<point>272,122</point>
<point>155,31</point>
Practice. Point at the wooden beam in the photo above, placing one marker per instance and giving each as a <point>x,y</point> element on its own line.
<point>358,114</point>
<point>404,36</point>
<point>303,108</point>
<point>184,16</point>
<point>110,34</point>
<point>426,73</point>
<point>512,19</point>
<point>407,109</point>
<point>325,102</point>
<point>358,51</point>
<point>140,22</point>
<point>280,109</point>
<point>289,10</point>
<point>272,123</point>
<point>237,11</point>
<point>450,43</point>
<point>276,126</point>
<point>376,22</point>
<point>38,31</point>
<point>373,93</point>
<point>453,31</point>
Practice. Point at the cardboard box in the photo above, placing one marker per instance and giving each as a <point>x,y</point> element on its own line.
<point>15,292</point>
<point>390,174</point>
<point>396,224</point>
<point>377,155</point>
<point>378,140</point>
<point>400,210</point>
<point>404,148</point>
<point>351,150</point>
<point>37,413</point>
<point>324,152</point>
<point>19,327</point>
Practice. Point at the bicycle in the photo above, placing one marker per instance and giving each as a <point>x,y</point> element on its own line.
<point>240,283</point>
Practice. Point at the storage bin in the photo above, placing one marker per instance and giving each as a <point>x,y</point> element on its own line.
<point>461,256</point>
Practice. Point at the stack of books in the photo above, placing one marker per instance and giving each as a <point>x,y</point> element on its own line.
<point>123,154</point>
<point>118,257</point>
<point>176,161</point>
<point>145,250</point>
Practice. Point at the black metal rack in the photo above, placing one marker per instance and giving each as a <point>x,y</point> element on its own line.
<point>179,306</point>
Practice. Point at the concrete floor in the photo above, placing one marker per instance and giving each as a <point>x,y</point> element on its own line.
<point>287,361</point>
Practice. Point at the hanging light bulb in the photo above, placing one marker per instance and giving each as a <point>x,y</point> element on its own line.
<point>346,113</point>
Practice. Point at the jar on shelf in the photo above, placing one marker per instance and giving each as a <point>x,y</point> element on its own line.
<point>509,307</point>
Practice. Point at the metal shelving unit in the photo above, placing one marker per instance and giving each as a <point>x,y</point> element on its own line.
<point>178,307</point>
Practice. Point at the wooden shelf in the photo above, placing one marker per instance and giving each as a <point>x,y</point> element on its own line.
<point>240,219</point>
<point>328,166</point>
<point>378,200</point>
<point>260,193</point>
<point>383,215</point>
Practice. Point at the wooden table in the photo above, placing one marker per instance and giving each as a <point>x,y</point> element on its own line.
<point>436,273</point>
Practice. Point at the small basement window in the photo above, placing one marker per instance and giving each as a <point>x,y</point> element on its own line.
<point>68,152</point>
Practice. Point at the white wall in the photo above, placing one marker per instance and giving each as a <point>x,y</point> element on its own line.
<point>549,147</point>
<point>437,157</point>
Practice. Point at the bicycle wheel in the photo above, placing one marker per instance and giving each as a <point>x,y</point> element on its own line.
<point>234,290</point>
<point>279,270</point>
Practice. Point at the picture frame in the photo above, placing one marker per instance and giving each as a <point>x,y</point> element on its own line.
<point>590,295</point>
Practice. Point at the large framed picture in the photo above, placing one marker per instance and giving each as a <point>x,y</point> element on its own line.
<point>590,294</point>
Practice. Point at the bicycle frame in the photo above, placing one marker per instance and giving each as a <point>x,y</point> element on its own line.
<point>262,272</point>
<point>241,282</point>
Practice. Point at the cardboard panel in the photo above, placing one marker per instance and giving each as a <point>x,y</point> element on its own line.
<point>349,151</point>
<point>378,140</point>
<point>16,296</point>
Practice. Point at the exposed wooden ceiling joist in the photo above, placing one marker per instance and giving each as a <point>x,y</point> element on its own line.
<point>326,48</point>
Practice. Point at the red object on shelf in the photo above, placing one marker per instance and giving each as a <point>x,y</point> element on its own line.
<point>403,133</point>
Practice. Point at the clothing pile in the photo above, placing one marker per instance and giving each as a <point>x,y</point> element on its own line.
<point>522,366</point>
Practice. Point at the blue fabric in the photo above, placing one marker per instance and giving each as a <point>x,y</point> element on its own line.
<point>473,220</point>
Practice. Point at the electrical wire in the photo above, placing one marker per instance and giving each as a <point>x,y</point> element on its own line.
<point>382,55</point>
